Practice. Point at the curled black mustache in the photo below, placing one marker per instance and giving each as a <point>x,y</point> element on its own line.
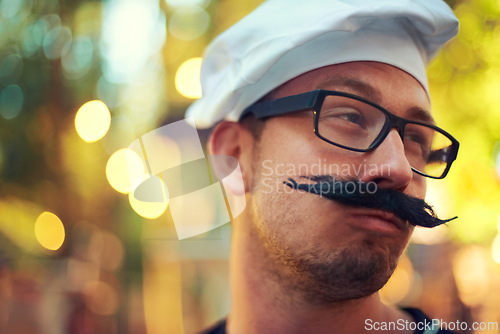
<point>356,193</point>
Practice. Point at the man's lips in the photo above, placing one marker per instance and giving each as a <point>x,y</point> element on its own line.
<point>379,221</point>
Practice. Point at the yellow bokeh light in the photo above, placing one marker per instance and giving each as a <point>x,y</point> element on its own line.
<point>470,267</point>
<point>49,231</point>
<point>123,168</point>
<point>398,287</point>
<point>151,210</point>
<point>495,249</point>
<point>92,121</point>
<point>187,78</point>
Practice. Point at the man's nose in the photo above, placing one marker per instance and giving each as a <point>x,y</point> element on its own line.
<point>389,167</point>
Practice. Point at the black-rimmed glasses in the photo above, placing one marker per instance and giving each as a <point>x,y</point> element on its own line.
<point>354,123</point>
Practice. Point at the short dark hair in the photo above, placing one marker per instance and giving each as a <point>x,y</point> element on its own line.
<point>254,125</point>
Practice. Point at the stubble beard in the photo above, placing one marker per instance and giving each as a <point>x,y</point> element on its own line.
<point>311,273</point>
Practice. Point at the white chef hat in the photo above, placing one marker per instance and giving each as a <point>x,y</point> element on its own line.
<point>283,39</point>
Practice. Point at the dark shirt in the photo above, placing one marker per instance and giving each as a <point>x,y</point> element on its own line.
<point>424,324</point>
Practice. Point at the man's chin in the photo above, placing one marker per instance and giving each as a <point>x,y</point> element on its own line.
<point>353,273</point>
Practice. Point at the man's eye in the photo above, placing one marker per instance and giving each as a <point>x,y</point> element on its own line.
<point>417,143</point>
<point>344,114</point>
<point>352,117</point>
<point>418,138</point>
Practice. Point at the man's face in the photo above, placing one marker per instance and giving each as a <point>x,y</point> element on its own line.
<point>323,249</point>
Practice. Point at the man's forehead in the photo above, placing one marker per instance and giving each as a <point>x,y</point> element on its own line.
<point>364,79</point>
<point>359,77</point>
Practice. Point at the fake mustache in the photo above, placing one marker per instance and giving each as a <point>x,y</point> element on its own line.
<point>356,193</point>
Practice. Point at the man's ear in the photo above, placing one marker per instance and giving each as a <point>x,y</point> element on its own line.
<point>231,139</point>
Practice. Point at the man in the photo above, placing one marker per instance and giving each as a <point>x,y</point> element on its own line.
<point>328,98</point>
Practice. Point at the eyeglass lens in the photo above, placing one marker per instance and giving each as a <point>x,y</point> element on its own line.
<point>358,125</point>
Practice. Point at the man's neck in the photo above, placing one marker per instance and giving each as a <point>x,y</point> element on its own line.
<point>262,304</point>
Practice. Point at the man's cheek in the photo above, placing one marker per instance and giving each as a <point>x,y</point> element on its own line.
<point>268,185</point>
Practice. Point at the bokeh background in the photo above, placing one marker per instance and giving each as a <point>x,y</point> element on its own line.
<point>80,80</point>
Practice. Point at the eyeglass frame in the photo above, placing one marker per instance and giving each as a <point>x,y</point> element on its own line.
<point>313,101</point>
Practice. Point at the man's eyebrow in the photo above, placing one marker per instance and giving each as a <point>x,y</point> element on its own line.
<point>372,94</point>
<point>418,114</point>
<point>353,86</point>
